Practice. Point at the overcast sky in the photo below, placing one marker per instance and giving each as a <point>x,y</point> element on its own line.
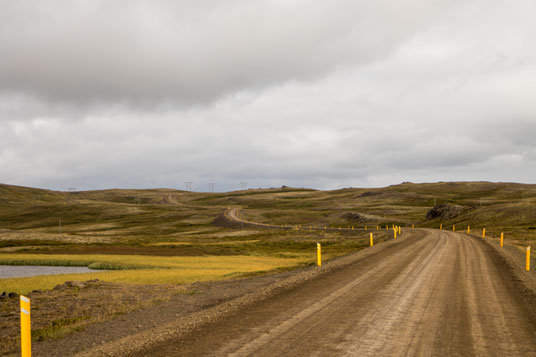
<point>323,94</point>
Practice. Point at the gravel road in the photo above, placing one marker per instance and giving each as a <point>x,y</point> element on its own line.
<point>430,293</point>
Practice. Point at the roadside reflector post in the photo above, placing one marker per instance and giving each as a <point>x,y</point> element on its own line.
<point>484,233</point>
<point>395,233</point>
<point>399,230</point>
<point>441,226</point>
<point>371,240</point>
<point>413,226</point>
<point>365,227</point>
<point>339,228</point>
<point>377,228</point>
<point>468,229</point>
<point>386,227</point>
<point>528,259</point>
<point>25,327</point>
<point>318,254</point>
<point>502,239</point>
<point>352,227</point>
<point>454,228</point>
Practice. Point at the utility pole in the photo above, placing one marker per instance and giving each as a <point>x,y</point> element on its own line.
<point>71,191</point>
<point>243,185</point>
<point>211,187</point>
<point>188,185</point>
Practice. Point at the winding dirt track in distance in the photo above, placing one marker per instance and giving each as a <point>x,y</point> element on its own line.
<point>233,215</point>
<point>431,293</point>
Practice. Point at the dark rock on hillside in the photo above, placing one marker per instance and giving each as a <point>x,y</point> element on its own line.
<point>354,217</point>
<point>444,211</point>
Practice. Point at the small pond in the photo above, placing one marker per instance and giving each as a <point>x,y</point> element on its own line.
<point>18,271</point>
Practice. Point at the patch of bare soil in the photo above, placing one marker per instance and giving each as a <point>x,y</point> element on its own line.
<point>95,312</point>
<point>75,305</point>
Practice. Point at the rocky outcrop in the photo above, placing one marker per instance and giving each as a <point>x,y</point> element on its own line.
<point>444,211</point>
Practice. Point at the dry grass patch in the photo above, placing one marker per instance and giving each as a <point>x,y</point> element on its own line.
<point>150,269</point>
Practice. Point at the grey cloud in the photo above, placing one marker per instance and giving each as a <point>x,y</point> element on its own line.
<point>353,94</point>
<point>145,52</point>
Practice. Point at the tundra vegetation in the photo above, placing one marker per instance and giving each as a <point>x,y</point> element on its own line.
<point>161,239</point>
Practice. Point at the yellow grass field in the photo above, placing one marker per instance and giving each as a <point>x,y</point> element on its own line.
<point>151,270</point>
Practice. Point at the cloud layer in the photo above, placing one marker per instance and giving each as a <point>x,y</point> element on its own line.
<point>151,94</point>
<point>187,52</point>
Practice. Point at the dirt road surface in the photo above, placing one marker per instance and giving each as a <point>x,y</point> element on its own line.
<point>432,293</point>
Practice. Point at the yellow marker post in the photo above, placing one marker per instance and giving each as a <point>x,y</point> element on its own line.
<point>365,227</point>
<point>352,227</point>
<point>386,227</point>
<point>325,228</point>
<point>502,239</point>
<point>318,254</point>
<point>528,259</point>
<point>454,228</point>
<point>25,327</point>
<point>377,228</point>
<point>339,228</point>
<point>399,230</point>
<point>441,226</point>
<point>395,233</point>
<point>412,226</point>
<point>468,229</point>
<point>371,240</point>
<point>484,233</point>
